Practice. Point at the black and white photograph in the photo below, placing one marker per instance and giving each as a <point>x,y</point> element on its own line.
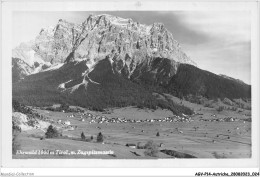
<point>132,84</point>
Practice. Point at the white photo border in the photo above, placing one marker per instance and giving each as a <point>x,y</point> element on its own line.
<point>6,85</point>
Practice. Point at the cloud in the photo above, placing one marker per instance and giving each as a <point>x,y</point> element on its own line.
<point>229,49</point>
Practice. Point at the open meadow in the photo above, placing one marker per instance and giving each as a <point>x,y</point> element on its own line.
<point>209,133</point>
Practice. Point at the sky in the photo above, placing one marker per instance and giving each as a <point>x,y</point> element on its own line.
<point>218,41</point>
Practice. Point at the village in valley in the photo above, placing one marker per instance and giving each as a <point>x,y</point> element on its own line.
<point>132,133</point>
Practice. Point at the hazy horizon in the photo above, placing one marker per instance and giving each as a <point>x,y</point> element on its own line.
<point>218,41</point>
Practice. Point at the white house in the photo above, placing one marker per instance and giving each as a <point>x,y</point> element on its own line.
<point>161,145</point>
<point>131,145</point>
<point>67,122</point>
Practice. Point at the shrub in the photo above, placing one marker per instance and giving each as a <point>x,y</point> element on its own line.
<point>220,108</point>
<point>139,146</point>
<point>227,101</point>
<point>31,123</point>
<point>15,128</point>
<point>83,137</point>
<point>50,109</point>
<point>157,134</point>
<point>100,137</point>
<point>218,156</point>
<point>51,132</point>
<point>18,107</point>
<point>194,99</point>
<point>234,108</point>
<point>177,154</point>
<point>151,149</point>
<point>91,138</point>
<point>64,107</point>
<point>36,64</point>
<point>45,66</point>
<point>208,104</point>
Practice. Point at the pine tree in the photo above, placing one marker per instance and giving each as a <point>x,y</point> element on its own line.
<point>151,149</point>
<point>83,137</point>
<point>51,132</point>
<point>100,137</point>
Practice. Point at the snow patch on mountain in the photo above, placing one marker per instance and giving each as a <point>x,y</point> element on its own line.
<point>75,87</point>
<point>62,85</point>
<point>27,54</point>
<point>54,67</point>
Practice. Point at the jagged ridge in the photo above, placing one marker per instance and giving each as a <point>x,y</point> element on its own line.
<point>99,36</point>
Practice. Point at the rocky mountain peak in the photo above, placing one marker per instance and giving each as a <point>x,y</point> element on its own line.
<point>125,42</point>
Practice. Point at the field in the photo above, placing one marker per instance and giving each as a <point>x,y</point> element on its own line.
<point>206,134</point>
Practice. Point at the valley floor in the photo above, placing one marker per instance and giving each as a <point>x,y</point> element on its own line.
<point>204,135</point>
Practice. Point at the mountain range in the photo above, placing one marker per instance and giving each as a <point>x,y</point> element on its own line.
<point>108,61</point>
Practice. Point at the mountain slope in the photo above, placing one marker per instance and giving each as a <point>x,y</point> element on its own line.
<point>192,80</point>
<point>230,78</point>
<point>98,89</point>
<point>99,86</point>
<point>155,71</point>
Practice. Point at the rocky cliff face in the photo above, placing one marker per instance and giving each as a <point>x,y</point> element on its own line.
<point>125,42</point>
<point>20,69</point>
